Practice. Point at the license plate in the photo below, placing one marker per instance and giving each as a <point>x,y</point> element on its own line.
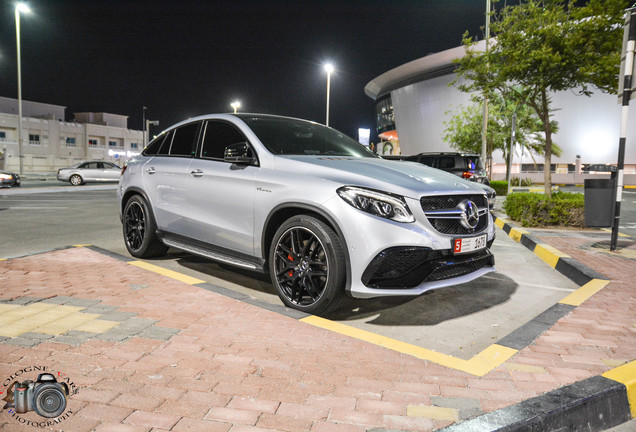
<point>469,244</point>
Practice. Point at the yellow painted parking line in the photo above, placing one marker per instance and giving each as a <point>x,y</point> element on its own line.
<point>165,272</point>
<point>82,245</point>
<point>97,326</point>
<point>626,375</point>
<point>619,234</point>
<point>549,254</point>
<point>432,412</point>
<point>7,307</point>
<point>479,365</point>
<point>585,292</point>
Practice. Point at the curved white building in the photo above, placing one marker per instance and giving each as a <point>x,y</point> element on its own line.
<point>414,100</point>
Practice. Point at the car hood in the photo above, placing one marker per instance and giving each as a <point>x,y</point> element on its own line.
<point>410,179</point>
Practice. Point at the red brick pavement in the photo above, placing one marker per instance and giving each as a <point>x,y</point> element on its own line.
<point>237,367</point>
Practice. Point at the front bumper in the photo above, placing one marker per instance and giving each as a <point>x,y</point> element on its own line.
<point>404,259</point>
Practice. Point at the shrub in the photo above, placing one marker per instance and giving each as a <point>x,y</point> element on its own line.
<point>500,186</point>
<point>514,181</point>
<point>534,210</point>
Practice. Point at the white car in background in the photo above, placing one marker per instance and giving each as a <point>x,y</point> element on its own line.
<point>89,172</point>
<point>322,214</point>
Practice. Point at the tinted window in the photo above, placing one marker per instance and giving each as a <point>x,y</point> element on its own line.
<point>184,141</point>
<point>447,162</point>
<point>427,160</point>
<point>218,136</point>
<point>159,146</point>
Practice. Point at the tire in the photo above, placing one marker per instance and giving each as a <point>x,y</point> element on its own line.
<point>140,230</point>
<point>307,265</point>
<point>76,180</point>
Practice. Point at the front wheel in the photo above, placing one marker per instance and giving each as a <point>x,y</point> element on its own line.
<point>307,265</point>
<point>140,230</point>
<point>76,180</point>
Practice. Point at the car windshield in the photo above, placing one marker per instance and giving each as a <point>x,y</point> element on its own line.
<point>286,136</point>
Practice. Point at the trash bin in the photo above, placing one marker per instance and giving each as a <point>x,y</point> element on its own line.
<point>600,202</point>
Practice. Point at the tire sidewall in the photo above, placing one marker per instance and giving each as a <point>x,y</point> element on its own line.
<point>149,229</point>
<point>76,176</point>
<point>332,245</point>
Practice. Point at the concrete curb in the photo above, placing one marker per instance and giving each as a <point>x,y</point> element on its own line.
<point>597,403</point>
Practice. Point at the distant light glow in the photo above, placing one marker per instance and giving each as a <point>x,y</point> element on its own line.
<point>236,105</point>
<point>329,68</point>
<point>22,7</point>
<point>363,136</point>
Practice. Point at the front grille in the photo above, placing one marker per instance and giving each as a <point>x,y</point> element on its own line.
<point>434,206</point>
<point>453,227</point>
<point>441,202</point>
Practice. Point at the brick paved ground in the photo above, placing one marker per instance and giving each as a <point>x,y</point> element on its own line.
<point>211,363</point>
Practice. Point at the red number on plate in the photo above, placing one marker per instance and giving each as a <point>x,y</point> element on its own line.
<point>458,245</point>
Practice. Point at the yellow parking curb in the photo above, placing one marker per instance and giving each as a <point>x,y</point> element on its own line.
<point>626,375</point>
<point>585,292</point>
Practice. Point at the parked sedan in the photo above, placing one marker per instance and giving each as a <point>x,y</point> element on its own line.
<point>8,179</point>
<point>86,172</point>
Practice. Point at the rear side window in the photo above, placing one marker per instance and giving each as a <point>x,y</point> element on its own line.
<point>184,141</point>
<point>447,162</point>
<point>218,136</point>
<point>159,146</point>
<point>427,160</point>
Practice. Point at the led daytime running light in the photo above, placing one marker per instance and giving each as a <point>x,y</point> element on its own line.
<point>377,203</point>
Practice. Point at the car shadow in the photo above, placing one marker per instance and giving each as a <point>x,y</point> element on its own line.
<point>432,307</point>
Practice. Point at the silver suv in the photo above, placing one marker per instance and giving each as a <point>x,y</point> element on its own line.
<point>327,218</point>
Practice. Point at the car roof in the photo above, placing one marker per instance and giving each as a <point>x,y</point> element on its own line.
<point>447,154</point>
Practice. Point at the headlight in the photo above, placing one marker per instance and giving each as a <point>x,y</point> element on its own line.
<point>377,203</point>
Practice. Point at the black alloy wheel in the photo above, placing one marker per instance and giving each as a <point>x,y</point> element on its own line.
<point>140,230</point>
<point>307,265</point>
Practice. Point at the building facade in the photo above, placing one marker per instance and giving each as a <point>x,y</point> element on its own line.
<point>413,102</point>
<point>50,143</point>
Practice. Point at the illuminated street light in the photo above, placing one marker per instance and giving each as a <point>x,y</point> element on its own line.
<point>329,70</point>
<point>236,105</point>
<point>20,7</point>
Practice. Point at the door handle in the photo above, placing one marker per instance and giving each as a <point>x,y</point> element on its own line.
<point>151,170</point>
<point>196,173</point>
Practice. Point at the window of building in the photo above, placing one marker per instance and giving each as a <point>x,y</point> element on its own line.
<point>133,145</point>
<point>112,144</point>
<point>3,136</point>
<point>218,136</point>
<point>93,142</point>
<point>70,142</point>
<point>34,139</point>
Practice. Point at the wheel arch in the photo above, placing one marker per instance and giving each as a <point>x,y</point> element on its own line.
<point>281,213</point>
<point>130,192</point>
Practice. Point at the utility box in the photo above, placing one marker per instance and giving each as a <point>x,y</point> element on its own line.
<point>600,202</point>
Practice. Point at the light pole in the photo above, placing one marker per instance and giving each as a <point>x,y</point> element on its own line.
<point>20,7</point>
<point>236,105</point>
<point>147,131</point>
<point>328,69</point>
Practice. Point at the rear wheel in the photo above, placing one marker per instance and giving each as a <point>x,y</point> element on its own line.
<point>76,180</point>
<point>140,230</point>
<point>307,265</point>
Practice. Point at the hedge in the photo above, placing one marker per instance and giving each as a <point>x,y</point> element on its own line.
<point>536,210</point>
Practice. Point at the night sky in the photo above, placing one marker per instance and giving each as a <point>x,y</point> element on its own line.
<point>185,58</point>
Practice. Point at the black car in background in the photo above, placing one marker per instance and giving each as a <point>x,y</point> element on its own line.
<point>8,179</point>
<point>464,165</point>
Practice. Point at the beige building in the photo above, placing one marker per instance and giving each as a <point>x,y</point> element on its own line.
<point>49,142</point>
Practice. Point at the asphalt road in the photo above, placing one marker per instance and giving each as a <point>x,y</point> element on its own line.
<point>460,320</point>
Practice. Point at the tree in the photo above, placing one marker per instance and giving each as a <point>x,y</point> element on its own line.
<point>463,130</point>
<point>545,46</point>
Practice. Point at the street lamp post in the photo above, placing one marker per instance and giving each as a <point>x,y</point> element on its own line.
<point>147,131</point>
<point>20,7</point>
<point>329,70</point>
<point>236,105</point>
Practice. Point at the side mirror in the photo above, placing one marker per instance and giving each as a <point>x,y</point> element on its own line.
<point>239,153</point>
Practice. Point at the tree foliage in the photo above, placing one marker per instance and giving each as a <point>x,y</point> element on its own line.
<point>545,46</point>
<point>464,129</point>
